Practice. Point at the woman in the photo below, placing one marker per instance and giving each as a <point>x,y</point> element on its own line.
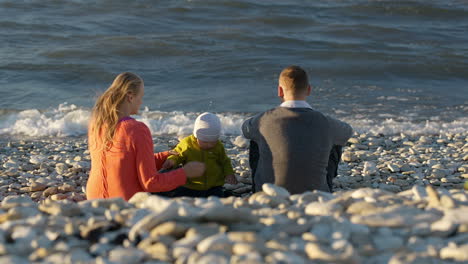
<point>122,158</point>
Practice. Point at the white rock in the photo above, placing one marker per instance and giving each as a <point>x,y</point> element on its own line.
<point>150,221</point>
<point>219,242</point>
<point>444,227</point>
<point>241,142</point>
<point>393,167</point>
<point>317,208</point>
<point>349,157</point>
<point>210,259</point>
<point>455,253</point>
<point>61,168</point>
<point>188,242</point>
<point>139,197</point>
<point>11,165</point>
<point>252,257</point>
<point>285,258</point>
<point>24,212</point>
<point>23,233</point>
<point>370,168</point>
<point>419,193</point>
<point>367,192</point>
<point>126,255</point>
<point>318,252</point>
<point>14,201</point>
<point>274,190</point>
<point>13,259</point>
<point>37,159</point>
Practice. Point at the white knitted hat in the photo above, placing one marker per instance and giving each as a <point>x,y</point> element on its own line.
<point>207,127</point>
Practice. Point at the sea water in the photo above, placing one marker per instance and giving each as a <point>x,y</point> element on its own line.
<point>383,66</point>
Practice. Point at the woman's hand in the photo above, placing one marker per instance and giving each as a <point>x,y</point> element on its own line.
<point>231,179</point>
<point>168,164</point>
<point>194,169</point>
<point>173,152</point>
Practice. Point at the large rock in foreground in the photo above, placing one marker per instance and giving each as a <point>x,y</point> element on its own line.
<point>357,226</point>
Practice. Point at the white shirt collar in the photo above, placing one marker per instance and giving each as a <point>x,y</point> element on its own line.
<point>295,104</point>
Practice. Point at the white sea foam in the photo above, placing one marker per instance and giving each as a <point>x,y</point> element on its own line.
<point>66,120</point>
<point>391,127</point>
<point>70,120</point>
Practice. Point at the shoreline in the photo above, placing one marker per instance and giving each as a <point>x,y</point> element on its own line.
<point>394,163</point>
<point>397,199</point>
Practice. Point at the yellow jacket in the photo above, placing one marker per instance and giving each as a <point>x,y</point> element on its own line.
<point>218,165</point>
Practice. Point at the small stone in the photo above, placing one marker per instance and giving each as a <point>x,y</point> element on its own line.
<point>58,197</point>
<point>443,228</point>
<point>454,252</point>
<point>61,168</point>
<point>393,168</point>
<point>242,248</point>
<point>16,201</point>
<point>50,191</point>
<point>317,208</point>
<point>274,190</point>
<point>284,257</point>
<point>204,230</point>
<point>37,187</point>
<point>447,201</point>
<point>126,255</point>
<point>174,229</point>
<point>241,142</point>
<point>64,208</point>
<point>66,188</point>
<point>218,242</point>
<point>433,196</point>
<point>318,252</point>
<point>11,165</point>
<point>248,237</point>
<point>395,217</point>
<point>348,157</point>
<point>419,193</point>
<point>362,208</point>
<point>439,173</point>
<point>370,168</point>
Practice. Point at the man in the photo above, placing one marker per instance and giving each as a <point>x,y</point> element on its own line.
<point>298,147</point>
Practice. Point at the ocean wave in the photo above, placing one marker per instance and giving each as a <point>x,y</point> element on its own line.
<point>68,120</point>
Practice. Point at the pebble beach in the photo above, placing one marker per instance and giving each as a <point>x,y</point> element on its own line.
<point>396,71</point>
<point>397,199</point>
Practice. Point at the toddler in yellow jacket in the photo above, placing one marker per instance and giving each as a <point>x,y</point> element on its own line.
<point>204,146</point>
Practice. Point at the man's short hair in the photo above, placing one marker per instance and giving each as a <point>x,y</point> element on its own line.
<point>294,78</point>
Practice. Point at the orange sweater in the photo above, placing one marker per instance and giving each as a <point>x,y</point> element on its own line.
<point>130,166</point>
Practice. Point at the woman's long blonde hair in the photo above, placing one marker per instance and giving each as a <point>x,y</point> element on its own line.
<point>105,116</point>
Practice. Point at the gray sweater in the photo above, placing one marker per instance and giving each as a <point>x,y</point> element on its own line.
<point>294,147</point>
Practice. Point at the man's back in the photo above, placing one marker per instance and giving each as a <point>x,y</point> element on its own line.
<point>294,147</point>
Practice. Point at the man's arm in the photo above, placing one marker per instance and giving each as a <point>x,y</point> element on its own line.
<point>342,131</point>
<point>250,127</point>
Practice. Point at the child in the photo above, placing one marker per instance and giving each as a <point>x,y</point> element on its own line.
<point>203,145</point>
